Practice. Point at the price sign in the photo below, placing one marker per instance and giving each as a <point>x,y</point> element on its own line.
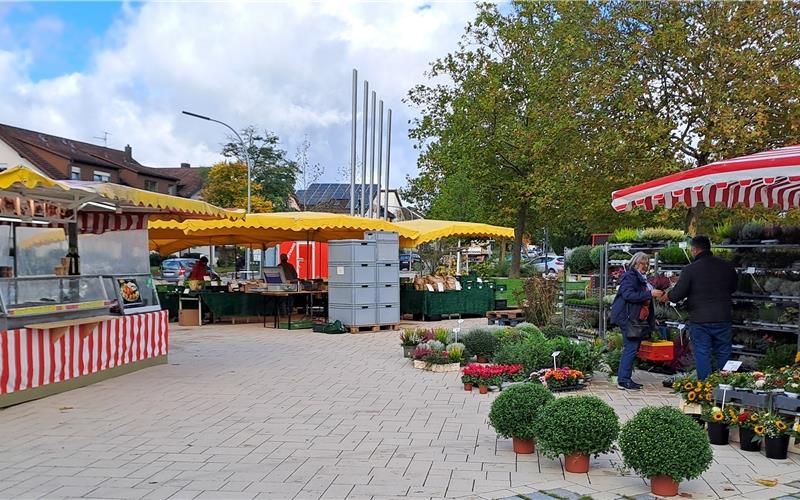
<point>555,355</point>
<point>732,366</point>
<point>682,245</point>
<point>750,270</point>
<point>681,326</point>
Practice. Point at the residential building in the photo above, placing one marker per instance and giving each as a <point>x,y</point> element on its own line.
<point>335,198</point>
<point>61,158</point>
<point>190,180</point>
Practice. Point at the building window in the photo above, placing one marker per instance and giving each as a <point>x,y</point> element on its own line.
<point>75,173</point>
<point>151,185</point>
<point>100,176</point>
<point>173,190</point>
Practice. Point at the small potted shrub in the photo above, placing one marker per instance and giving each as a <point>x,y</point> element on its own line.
<point>514,414</point>
<point>613,359</point>
<point>420,354</point>
<point>576,427</point>
<point>775,433</point>
<point>409,339</point>
<point>665,446</point>
<point>480,343</point>
<point>746,421</point>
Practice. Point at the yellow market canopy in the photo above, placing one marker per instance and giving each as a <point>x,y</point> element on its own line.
<point>427,230</point>
<point>269,229</point>
<point>99,196</point>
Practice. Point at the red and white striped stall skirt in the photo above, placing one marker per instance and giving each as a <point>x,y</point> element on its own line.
<point>31,359</point>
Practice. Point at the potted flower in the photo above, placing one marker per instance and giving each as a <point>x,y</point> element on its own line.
<point>746,420</point>
<point>576,427</point>
<point>722,379</point>
<point>559,379</point>
<point>717,423</point>
<point>515,411</point>
<point>693,394</point>
<point>480,343</point>
<point>665,446</point>
<point>742,382</point>
<point>775,433</point>
<point>759,383</point>
<point>420,355</point>
<point>456,352</point>
<point>409,339</point>
<point>775,382</point>
<point>792,388</point>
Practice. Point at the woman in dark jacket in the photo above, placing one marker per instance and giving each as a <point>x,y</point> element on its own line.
<point>633,312</point>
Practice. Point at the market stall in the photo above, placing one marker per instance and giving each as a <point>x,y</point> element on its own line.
<point>766,256</point>
<point>77,302</point>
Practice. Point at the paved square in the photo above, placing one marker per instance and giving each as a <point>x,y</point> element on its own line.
<point>247,412</point>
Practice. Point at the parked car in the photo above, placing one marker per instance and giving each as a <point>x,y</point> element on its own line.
<point>177,270</point>
<point>548,264</point>
<point>407,261</point>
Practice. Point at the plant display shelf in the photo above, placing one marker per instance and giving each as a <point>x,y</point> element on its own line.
<point>754,325</point>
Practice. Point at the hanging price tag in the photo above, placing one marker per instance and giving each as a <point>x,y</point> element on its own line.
<point>682,245</point>
<point>555,355</point>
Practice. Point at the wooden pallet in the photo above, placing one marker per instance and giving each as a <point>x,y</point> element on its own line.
<point>371,328</point>
<point>506,321</point>
<point>506,314</point>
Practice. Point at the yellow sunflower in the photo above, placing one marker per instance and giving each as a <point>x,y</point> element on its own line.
<point>797,428</point>
<point>688,386</point>
<point>699,387</point>
<point>780,425</point>
<point>718,416</point>
<point>691,396</point>
<point>797,358</point>
<point>753,418</point>
<point>759,429</point>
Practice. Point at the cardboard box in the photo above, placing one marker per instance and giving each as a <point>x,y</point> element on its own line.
<point>189,317</point>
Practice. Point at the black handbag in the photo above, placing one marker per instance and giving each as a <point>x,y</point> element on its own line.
<point>637,328</point>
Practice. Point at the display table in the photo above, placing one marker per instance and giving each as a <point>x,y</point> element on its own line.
<point>276,298</point>
<point>220,304</point>
<point>428,305</point>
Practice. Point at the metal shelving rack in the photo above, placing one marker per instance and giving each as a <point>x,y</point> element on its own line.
<point>755,325</point>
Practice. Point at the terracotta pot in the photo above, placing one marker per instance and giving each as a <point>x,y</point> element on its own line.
<point>523,446</point>
<point>483,359</point>
<point>484,389</point>
<point>663,486</point>
<point>577,462</point>
<point>468,387</point>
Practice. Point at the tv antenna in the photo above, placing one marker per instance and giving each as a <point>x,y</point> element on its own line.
<point>104,139</point>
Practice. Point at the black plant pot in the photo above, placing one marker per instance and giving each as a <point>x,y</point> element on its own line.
<point>777,448</point>
<point>718,433</point>
<point>746,442</point>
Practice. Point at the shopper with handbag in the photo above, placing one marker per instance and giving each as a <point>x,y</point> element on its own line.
<point>633,312</point>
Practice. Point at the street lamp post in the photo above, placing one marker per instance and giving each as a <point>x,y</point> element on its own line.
<point>246,162</point>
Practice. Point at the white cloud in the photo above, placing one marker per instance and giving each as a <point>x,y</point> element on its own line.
<point>284,67</point>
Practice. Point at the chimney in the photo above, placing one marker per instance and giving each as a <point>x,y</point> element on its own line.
<point>185,165</point>
<point>128,152</point>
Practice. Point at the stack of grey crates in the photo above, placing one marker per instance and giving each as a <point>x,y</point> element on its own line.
<point>364,280</point>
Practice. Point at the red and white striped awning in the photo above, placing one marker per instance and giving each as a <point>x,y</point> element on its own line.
<point>769,179</point>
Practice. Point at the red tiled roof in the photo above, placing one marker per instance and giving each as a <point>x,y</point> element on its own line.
<point>190,179</point>
<point>23,141</point>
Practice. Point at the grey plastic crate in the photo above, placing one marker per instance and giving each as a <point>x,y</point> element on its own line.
<point>388,272</point>
<point>388,314</point>
<point>349,295</point>
<point>388,293</point>
<point>387,252</point>
<point>363,315</point>
<point>351,251</point>
<point>351,274</point>
<point>742,398</point>
<point>389,236</point>
<point>785,403</point>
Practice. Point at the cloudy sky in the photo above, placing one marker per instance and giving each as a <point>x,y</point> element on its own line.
<point>81,69</point>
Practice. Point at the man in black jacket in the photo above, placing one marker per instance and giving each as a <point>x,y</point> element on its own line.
<point>708,284</point>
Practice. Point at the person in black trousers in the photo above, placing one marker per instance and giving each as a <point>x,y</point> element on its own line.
<point>707,284</point>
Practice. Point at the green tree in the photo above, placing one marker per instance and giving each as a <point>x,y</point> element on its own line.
<point>272,171</point>
<point>226,187</point>
<point>714,80</point>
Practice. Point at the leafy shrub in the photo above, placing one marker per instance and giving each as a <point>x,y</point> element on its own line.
<point>538,296</point>
<point>578,355</point>
<point>515,410</point>
<point>480,342</point>
<point>435,345</point>
<point>778,356</point>
<point>596,256</point>
<point>664,441</point>
<point>724,232</point>
<point>553,331</point>
<point>619,255</point>
<point>579,260</point>
<point>662,234</point>
<point>673,255</point>
<point>589,301</point>
<point>625,235</point>
<point>753,230</point>
<point>441,334</point>
<point>532,355</point>
<point>516,334</point>
<point>723,253</point>
<point>572,424</point>
<point>614,340</point>
<point>613,358</point>
<point>529,328</point>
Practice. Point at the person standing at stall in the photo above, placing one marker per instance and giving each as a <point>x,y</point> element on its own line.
<point>708,284</point>
<point>200,270</point>
<point>289,272</point>
<point>633,312</point>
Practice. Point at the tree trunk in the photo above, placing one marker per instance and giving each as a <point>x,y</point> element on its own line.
<point>693,219</point>
<point>516,249</point>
